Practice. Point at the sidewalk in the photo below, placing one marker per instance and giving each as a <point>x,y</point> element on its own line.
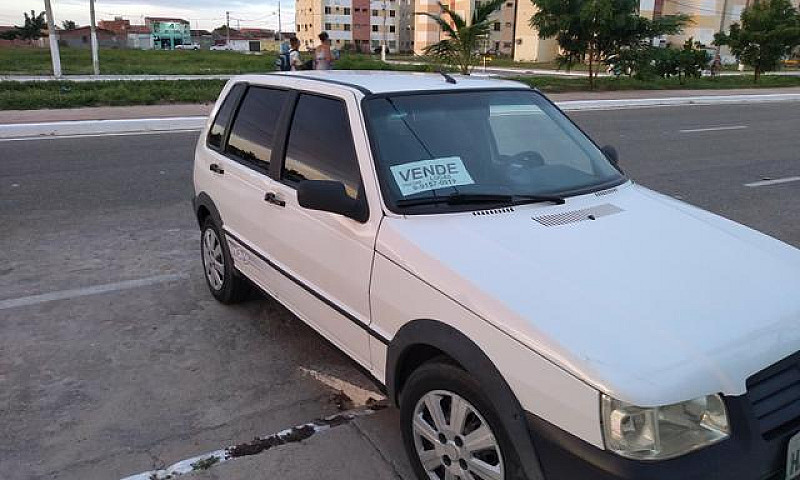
<point>11,117</point>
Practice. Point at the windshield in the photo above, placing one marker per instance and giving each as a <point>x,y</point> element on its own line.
<point>478,148</point>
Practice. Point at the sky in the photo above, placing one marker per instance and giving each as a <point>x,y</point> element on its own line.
<point>203,14</point>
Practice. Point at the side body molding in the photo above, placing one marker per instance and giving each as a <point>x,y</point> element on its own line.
<point>459,347</point>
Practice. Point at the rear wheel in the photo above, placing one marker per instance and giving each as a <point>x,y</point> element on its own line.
<point>226,284</point>
<point>451,431</point>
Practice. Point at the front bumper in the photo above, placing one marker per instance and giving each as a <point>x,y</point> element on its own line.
<point>746,455</point>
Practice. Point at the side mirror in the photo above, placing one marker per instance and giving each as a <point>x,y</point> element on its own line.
<point>330,196</point>
<point>611,154</point>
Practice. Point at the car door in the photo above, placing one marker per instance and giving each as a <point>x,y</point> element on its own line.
<point>326,258</point>
<point>244,160</point>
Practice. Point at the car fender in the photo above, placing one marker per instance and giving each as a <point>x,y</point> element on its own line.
<point>202,200</point>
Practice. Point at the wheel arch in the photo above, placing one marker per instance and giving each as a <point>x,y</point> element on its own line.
<point>205,207</point>
<point>420,341</point>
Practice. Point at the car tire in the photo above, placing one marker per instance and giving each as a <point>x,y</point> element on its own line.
<point>226,284</point>
<point>434,449</point>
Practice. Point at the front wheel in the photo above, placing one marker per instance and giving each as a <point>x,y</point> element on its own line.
<point>451,431</point>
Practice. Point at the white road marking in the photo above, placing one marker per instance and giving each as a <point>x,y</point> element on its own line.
<point>777,181</point>
<point>714,129</point>
<point>95,290</point>
<point>123,134</point>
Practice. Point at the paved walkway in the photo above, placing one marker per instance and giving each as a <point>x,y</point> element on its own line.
<point>192,110</point>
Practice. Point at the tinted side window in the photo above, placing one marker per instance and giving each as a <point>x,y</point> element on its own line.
<point>217,131</point>
<point>320,144</point>
<point>253,131</point>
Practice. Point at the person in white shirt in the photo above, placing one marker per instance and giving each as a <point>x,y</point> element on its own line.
<point>295,62</point>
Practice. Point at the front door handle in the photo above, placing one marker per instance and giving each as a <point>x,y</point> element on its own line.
<point>216,169</point>
<point>270,197</point>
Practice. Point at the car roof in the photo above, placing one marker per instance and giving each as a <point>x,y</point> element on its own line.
<point>370,82</point>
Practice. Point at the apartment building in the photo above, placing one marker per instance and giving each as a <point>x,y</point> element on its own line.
<point>510,34</point>
<point>361,25</point>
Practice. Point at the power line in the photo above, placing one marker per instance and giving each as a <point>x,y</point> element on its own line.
<point>700,9</point>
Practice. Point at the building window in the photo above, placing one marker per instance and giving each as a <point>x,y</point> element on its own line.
<point>509,4</point>
<point>347,10</point>
<point>346,27</point>
<point>374,13</point>
<point>392,44</point>
<point>496,26</point>
<point>374,28</point>
<point>477,5</point>
<point>392,13</point>
<point>507,44</point>
<point>376,43</point>
<point>327,10</point>
<point>508,24</point>
<point>391,28</point>
<point>327,26</point>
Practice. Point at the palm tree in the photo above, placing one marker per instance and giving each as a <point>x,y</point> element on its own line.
<point>460,48</point>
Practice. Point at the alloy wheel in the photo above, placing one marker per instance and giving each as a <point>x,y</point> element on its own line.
<point>453,441</point>
<point>213,259</point>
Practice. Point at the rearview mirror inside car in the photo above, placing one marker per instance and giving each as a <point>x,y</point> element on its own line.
<point>330,196</point>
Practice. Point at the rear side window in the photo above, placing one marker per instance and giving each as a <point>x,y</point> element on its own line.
<point>320,145</point>
<point>217,132</point>
<point>253,131</point>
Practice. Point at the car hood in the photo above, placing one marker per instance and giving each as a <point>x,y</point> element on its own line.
<point>653,302</point>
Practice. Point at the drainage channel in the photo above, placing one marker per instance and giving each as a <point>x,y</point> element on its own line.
<point>259,444</point>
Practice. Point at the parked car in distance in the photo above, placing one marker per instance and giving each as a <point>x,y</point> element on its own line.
<point>188,46</point>
<point>221,47</point>
<point>532,311</point>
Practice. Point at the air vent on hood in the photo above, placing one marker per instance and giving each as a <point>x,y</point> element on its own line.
<point>591,213</point>
<point>494,211</point>
<point>606,192</point>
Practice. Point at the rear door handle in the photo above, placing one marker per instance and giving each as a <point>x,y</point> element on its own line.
<point>270,197</point>
<point>216,169</point>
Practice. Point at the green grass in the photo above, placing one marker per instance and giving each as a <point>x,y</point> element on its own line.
<point>357,61</point>
<point>38,95</point>
<point>553,84</point>
<point>36,61</point>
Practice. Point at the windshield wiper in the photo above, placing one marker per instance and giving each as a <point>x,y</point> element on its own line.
<point>466,198</point>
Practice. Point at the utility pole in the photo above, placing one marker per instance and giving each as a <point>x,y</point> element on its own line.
<point>383,44</point>
<point>228,28</point>
<point>280,28</point>
<point>53,36</point>
<point>722,22</point>
<point>93,30</point>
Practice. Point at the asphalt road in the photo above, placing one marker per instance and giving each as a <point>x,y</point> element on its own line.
<point>104,386</point>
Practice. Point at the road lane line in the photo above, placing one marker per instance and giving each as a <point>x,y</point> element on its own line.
<point>94,290</point>
<point>714,129</point>
<point>777,181</point>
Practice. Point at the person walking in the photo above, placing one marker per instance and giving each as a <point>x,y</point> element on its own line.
<point>322,54</point>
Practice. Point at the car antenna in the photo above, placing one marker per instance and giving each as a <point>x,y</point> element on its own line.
<point>447,78</point>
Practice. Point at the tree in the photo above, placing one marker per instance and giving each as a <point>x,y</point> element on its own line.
<point>460,48</point>
<point>770,30</point>
<point>31,30</point>
<point>593,30</point>
<point>69,25</point>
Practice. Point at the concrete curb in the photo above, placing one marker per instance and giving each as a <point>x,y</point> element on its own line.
<point>154,125</point>
<point>99,127</point>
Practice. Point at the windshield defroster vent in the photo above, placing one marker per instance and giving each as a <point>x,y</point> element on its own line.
<point>493,211</point>
<point>591,213</point>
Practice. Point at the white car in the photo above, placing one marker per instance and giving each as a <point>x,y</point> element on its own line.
<point>220,47</point>
<point>188,46</point>
<point>533,312</point>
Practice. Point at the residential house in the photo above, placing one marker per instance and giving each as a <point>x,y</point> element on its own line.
<point>81,38</point>
<point>136,36</point>
<point>204,38</point>
<point>169,32</point>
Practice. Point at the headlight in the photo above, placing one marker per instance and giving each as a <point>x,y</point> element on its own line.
<point>658,433</point>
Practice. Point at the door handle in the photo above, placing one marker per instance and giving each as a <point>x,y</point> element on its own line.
<point>216,169</point>
<point>270,197</point>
